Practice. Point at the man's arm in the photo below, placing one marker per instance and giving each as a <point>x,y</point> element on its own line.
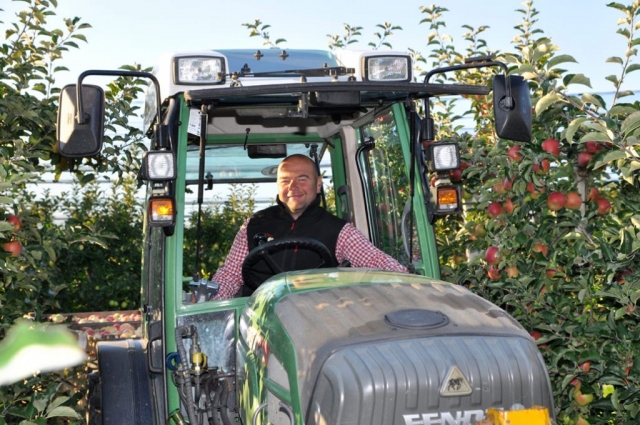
<point>352,245</point>
<point>229,275</point>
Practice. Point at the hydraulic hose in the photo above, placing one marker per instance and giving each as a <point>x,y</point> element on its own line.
<point>223,403</point>
<point>215,402</point>
<point>191,411</point>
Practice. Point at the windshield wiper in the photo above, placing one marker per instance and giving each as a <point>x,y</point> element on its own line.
<point>314,72</point>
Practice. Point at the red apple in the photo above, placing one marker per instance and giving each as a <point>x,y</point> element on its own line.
<point>556,201</point>
<point>552,146</point>
<point>594,194</point>
<point>13,247</point>
<point>582,399</point>
<point>494,209</point>
<point>574,201</point>
<point>479,230</point>
<point>508,206</point>
<point>464,164</point>
<point>535,193</point>
<point>498,187</point>
<point>582,421</point>
<point>508,184</point>
<point>494,273</point>
<point>15,221</point>
<point>620,276</point>
<point>459,259</point>
<point>593,147</point>
<point>543,168</point>
<point>535,334</point>
<point>514,153</point>
<point>512,271</point>
<point>584,158</point>
<point>455,175</point>
<point>604,206</point>
<point>585,366</point>
<point>553,273</point>
<point>492,255</point>
<point>540,248</point>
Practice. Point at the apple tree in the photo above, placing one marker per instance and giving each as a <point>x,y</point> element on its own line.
<point>550,227</point>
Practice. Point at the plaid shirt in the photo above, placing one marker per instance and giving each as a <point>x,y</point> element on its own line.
<point>352,245</point>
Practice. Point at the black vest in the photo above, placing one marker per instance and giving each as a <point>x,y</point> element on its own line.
<point>276,223</point>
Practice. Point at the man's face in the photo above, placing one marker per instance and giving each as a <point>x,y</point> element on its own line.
<point>298,184</point>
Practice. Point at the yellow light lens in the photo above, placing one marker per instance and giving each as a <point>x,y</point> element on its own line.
<point>161,210</point>
<point>447,198</point>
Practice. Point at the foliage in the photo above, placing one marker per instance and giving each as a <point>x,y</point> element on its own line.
<point>258,29</point>
<point>102,269</point>
<point>28,112</point>
<point>218,228</point>
<point>48,399</point>
<point>350,32</point>
<point>569,275</point>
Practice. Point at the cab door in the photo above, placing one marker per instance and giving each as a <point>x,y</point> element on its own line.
<point>395,227</point>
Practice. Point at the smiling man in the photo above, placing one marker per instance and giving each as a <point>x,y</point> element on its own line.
<point>298,214</point>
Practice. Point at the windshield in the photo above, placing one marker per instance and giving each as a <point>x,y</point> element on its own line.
<point>232,164</point>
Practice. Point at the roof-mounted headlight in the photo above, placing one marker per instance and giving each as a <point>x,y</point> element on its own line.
<point>387,68</point>
<point>158,166</point>
<point>443,156</point>
<point>199,70</point>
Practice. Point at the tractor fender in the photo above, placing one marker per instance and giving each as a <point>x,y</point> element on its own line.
<point>121,391</point>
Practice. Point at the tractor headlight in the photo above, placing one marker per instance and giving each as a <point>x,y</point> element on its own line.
<point>158,166</point>
<point>387,68</point>
<point>443,157</point>
<point>199,70</point>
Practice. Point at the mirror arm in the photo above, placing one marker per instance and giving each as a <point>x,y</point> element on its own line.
<point>81,115</point>
<point>478,62</point>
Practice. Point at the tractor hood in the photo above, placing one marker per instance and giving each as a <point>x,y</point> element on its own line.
<point>324,317</point>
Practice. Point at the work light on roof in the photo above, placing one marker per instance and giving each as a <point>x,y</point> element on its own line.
<point>387,68</point>
<point>444,156</point>
<point>199,70</point>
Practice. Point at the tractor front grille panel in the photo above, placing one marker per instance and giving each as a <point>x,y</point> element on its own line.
<point>399,382</point>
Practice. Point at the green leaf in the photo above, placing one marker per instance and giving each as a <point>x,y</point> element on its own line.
<point>633,67</point>
<point>57,402</point>
<point>589,98</point>
<point>622,110</point>
<point>596,136</point>
<point>624,93</point>
<point>614,59</point>
<point>607,390</point>
<point>613,79</point>
<point>546,101</point>
<point>560,59</point>
<point>609,157</point>
<point>64,411</point>
<point>630,123</point>
<point>573,127</point>
<point>580,79</point>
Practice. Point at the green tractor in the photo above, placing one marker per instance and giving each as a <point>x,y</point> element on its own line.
<point>324,346</point>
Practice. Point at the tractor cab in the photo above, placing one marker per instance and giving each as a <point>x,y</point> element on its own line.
<point>338,345</point>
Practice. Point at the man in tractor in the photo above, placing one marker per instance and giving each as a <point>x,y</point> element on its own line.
<point>298,214</point>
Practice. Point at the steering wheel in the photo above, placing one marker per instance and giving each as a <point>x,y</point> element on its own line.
<point>266,250</point>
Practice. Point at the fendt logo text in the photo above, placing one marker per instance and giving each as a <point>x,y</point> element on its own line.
<point>464,417</point>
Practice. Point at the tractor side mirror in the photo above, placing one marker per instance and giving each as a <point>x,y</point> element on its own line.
<point>80,138</point>
<point>513,117</point>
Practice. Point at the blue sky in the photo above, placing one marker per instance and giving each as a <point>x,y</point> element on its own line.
<point>127,32</point>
